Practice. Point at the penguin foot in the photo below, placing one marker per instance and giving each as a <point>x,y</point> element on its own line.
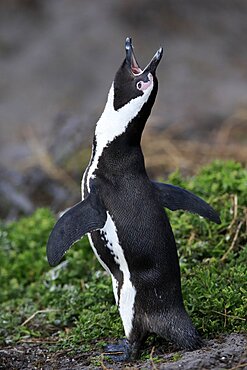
<point>119,352</point>
<point>119,347</point>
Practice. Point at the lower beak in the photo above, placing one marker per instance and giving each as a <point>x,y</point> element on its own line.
<point>153,64</point>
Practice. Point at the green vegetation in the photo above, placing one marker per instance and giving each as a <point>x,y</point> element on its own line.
<point>73,303</point>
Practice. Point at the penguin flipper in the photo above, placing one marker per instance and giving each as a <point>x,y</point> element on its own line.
<point>86,216</point>
<point>175,198</point>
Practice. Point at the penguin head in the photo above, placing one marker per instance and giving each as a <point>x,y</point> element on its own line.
<point>132,85</point>
<point>130,100</point>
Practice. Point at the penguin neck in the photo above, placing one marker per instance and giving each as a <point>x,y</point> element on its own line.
<point>129,121</point>
<point>116,145</point>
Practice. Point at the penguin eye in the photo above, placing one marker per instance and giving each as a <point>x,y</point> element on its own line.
<point>139,85</point>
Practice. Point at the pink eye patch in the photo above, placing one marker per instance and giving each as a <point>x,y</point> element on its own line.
<point>141,85</point>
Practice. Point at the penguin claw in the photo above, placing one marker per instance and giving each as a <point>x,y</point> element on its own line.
<point>118,352</point>
<point>124,357</point>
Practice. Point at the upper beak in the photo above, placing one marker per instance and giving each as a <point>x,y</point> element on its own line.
<point>132,62</point>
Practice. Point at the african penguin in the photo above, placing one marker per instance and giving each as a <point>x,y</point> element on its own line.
<point>122,212</point>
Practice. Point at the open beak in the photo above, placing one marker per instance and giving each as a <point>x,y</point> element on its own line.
<point>132,62</point>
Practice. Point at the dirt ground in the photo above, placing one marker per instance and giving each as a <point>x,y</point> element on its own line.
<point>226,352</point>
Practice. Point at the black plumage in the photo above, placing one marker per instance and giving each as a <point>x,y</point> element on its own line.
<point>124,213</point>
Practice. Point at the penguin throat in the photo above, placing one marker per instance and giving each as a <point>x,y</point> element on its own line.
<point>136,70</point>
<point>112,124</point>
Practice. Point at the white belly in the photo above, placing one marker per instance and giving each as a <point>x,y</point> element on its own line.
<point>128,292</point>
<point>126,299</point>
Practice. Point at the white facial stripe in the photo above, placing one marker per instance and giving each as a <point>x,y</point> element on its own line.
<point>128,291</point>
<point>113,123</point>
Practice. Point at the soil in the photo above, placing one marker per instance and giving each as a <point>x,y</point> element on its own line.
<point>225,352</point>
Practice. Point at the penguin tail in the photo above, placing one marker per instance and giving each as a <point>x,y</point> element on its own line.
<point>178,328</point>
<point>189,339</point>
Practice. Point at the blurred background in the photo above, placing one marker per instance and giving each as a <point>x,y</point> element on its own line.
<point>57,61</point>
